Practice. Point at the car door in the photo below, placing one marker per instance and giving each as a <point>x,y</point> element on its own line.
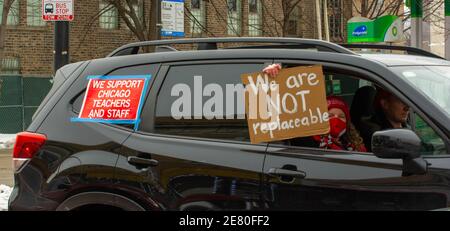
<point>185,159</point>
<point>308,178</point>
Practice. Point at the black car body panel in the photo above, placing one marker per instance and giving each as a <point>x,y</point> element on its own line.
<point>351,182</point>
<point>135,170</point>
<point>192,172</point>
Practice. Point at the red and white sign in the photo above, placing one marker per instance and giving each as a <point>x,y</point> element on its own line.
<point>113,99</point>
<point>57,10</point>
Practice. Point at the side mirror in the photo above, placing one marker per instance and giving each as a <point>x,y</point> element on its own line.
<point>396,144</point>
<point>400,144</point>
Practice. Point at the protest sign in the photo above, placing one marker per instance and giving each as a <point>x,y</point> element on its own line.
<point>113,99</point>
<point>292,104</point>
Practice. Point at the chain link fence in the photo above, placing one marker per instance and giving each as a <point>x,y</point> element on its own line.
<point>20,96</point>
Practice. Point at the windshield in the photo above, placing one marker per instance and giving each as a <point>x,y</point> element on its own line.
<point>434,81</point>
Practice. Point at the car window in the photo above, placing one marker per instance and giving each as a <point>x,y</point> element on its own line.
<point>345,86</point>
<point>432,81</point>
<point>357,91</point>
<point>76,106</point>
<point>204,101</point>
<point>432,143</point>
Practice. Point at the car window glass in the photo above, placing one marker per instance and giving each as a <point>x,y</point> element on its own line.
<point>432,81</point>
<point>432,144</point>
<point>78,103</point>
<point>204,101</point>
<point>359,93</point>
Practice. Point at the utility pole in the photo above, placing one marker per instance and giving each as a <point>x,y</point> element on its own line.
<point>325,20</point>
<point>155,26</point>
<point>61,12</point>
<point>416,23</point>
<point>61,44</point>
<point>319,20</point>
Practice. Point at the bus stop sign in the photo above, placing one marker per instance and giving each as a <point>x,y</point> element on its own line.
<point>57,10</point>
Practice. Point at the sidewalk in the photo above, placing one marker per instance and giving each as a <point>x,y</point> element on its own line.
<point>6,175</point>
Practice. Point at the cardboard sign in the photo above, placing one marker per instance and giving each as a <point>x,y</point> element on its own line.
<point>292,104</point>
<point>113,99</point>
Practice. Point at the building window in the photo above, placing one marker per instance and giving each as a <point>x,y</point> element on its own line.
<point>335,19</point>
<point>10,66</point>
<point>254,18</point>
<point>13,16</point>
<point>34,13</point>
<point>198,17</point>
<point>109,19</point>
<point>234,17</point>
<point>293,23</point>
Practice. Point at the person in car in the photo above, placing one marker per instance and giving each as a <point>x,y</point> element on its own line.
<point>342,135</point>
<point>390,113</point>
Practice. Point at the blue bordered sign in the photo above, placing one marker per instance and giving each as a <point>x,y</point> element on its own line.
<point>172,18</point>
<point>114,99</point>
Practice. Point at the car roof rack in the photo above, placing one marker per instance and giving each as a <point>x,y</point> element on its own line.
<point>407,49</point>
<point>286,46</point>
<point>164,49</point>
<point>211,44</point>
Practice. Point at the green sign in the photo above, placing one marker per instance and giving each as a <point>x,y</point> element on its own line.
<point>447,7</point>
<point>336,86</point>
<point>388,28</point>
<point>416,8</point>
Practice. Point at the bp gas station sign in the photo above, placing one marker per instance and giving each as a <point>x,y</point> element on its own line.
<point>388,28</point>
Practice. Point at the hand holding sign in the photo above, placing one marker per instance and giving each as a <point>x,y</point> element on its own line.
<point>293,104</point>
<point>272,70</point>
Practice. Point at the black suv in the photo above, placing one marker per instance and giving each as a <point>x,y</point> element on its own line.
<point>209,164</point>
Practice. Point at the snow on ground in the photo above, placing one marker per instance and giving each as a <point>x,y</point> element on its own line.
<point>5,191</point>
<point>7,141</point>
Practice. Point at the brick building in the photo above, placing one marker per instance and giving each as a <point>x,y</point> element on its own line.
<point>29,41</point>
<point>27,66</point>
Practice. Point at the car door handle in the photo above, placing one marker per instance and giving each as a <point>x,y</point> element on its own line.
<point>286,172</point>
<point>142,161</point>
